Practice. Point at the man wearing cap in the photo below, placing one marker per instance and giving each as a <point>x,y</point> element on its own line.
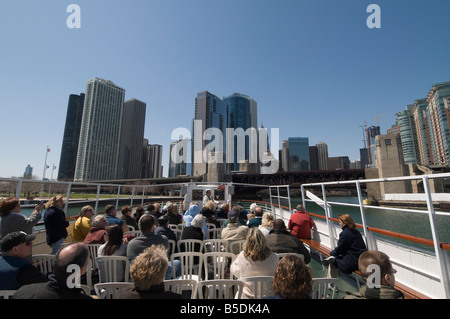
<point>15,269</point>
<point>234,230</point>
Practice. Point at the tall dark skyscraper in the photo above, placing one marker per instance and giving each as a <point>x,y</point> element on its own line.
<point>71,137</point>
<point>131,139</point>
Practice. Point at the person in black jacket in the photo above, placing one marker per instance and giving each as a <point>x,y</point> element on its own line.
<point>64,281</point>
<point>55,223</point>
<point>280,240</point>
<point>350,246</point>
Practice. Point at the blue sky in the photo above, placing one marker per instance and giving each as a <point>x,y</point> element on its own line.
<point>314,67</point>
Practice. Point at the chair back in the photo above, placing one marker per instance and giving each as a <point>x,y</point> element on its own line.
<point>185,287</point>
<point>113,269</point>
<point>43,262</point>
<point>7,294</point>
<point>135,233</point>
<point>220,289</point>
<point>260,286</point>
<point>217,265</point>
<point>215,233</point>
<point>281,255</point>
<point>190,245</point>
<point>235,246</point>
<point>177,233</point>
<point>191,265</point>
<point>93,252</point>
<point>173,226</point>
<point>215,245</point>
<point>111,290</point>
<point>321,288</point>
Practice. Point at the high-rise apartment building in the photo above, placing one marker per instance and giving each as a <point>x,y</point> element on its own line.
<point>424,139</point>
<point>405,120</point>
<point>69,149</point>
<point>241,116</point>
<point>131,139</point>
<point>371,132</point>
<point>322,154</point>
<point>177,164</point>
<point>99,144</point>
<point>298,154</point>
<point>152,160</point>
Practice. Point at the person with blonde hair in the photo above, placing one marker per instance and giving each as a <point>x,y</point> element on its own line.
<point>292,279</point>
<point>349,247</point>
<point>256,259</point>
<point>83,224</point>
<point>148,272</point>
<point>55,223</point>
<point>266,223</point>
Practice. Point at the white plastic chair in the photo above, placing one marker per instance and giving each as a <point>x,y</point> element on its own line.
<point>321,287</point>
<point>281,255</point>
<point>93,252</point>
<point>179,285</point>
<point>215,245</point>
<point>172,246</point>
<point>220,289</point>
<point>215,233</point>
<point>44,262</point>
<point>111,290</point>
<point>218,263</point>
<point>222,222</point>
<point>131,228</point>
<point>113,269</point>
<point>189,269</point>
<point>7,294</point>
<point>211,225</point>
<point>190,245</point>
<point>177,233</point>
<point>260,286</point>
<point>173,226</point>
<point>235,246</point>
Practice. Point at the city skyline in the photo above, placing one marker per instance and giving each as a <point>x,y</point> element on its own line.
<point>314,67</point>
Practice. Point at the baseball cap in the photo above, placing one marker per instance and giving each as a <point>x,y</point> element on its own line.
<point>233,216</point>
<point>15,238</point>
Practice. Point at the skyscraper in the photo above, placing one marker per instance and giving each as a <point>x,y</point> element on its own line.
<point>322,154</point>
<point>131,139</point>
<point>405,120</point>
<point>69,149</point>
<point>298,154</point>
<point>210,112</point>
<point>98,150</point>
<point>176,165</point>
<point>242,116</point>
<point>152,159</point>
<point>371,132</point>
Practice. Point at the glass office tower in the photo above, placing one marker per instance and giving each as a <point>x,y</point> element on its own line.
<point>298,154</point>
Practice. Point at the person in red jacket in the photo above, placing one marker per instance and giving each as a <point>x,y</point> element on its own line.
<point>300,223</point>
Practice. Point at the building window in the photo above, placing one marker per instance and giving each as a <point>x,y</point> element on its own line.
<point>388,141</point>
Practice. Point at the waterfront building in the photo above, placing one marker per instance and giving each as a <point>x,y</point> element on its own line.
<point>371,132</point>
<point>285,155</point>
<point>241,114</point>
<point>69,149</point>
<point>131,139</point>
<point>99,144</point>
<point>338,162</point>
<point>424,138</point>
<point>28,172</point>
<point>322,154</point>
<point>405,120</point>
<point>314,158</point>
<point>298,154</point>
<point>152,160</point>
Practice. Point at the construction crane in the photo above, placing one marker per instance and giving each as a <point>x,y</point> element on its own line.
<point>378,118</point>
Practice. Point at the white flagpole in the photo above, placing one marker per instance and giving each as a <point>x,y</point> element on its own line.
<point>45,164</point>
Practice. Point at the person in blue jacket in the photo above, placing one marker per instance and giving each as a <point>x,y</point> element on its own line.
<point>350,246</point>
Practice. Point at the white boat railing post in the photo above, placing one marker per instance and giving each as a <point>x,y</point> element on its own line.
<point>143,195</point>
<point>289,199</point>
<point>118,196</point>
<point>69,188</point>
<point>18,188</point>
<point>302,191</point>
<point>96,201</point>
<point>440,253</point>
<point>331,232</point>
<point>370,242</point>
<point>132,197</point>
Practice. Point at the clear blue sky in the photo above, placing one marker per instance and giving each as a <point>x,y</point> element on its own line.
<point>314,67</point>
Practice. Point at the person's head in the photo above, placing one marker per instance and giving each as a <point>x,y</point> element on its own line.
<point>255,246</point>
<point>174,209</point>
<point>9,205</point>
<point>72,254</point>
<point>267,220</point>
<point>198,221</point>
<point>375,259</point>
<point>208,192</point>
<point>17,244</point>
<point>210,206</point>
<point>147,223</point>
<point>163,221</point>
<point>56,201</point>
<point>149,268</point>
<point>300,208</point>
<point>194,210</point>
<point>99,221</point>
<point>150,208</point>
<point>233,216</point>
<point>126,210</point>
<point>279,224</point>
<point>346,220</point>
<point>292,278</point>
<point>259,212</point>
<point>86,211</point>
<point>139,211</point>
<point>157,206</point>
<point>113,238</point>
<point>110,210</point>
<point>252,207</point>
